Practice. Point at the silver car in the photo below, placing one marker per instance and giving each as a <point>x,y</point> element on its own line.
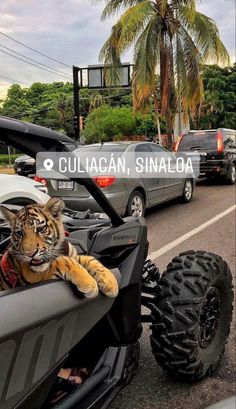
<point>128,196</point>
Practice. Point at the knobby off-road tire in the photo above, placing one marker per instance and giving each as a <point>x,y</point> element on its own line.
<point>191,314</point>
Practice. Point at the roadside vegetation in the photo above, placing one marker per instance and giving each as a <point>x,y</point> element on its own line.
<point>109,114</point>
<point>5,160</point>
<point>169,38</point>
<point>218,109</point>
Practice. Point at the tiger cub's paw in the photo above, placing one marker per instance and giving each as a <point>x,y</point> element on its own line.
<point>107,284</point>
<point>91,291</point>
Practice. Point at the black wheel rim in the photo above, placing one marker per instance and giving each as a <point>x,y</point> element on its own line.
<point>209,317</point>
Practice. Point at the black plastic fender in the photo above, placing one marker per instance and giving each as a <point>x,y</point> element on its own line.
<point>39,325</point>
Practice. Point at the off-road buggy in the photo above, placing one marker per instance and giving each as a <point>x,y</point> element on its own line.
<point>48,326</point>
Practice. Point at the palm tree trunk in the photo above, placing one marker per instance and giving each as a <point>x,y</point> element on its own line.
<point>169,129</point>
<point>158,128</point>
<point>157,118</point>
<point>167,85</point>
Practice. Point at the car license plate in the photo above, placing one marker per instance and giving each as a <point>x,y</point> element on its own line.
<point>18,169</point>
<point>62,185</point>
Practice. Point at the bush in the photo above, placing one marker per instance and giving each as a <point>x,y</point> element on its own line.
<point>4,159</point>
<point>105,123</point>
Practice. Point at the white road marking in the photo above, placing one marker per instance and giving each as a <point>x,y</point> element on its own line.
<point>174,243</point>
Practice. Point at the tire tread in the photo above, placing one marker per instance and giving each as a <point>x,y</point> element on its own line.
<point>176,309</point>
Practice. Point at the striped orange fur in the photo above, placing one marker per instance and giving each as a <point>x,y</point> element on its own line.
<point>39,252</point>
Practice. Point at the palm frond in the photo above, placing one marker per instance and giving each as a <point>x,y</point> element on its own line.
<point>181,78</point>
<point>189,6</point>
<point>145,63</point>
<point>167,85</point>
<point>191,81</point>
<point>206,36</point>
<point>124,33</point>
<point>161,7</point>
<point>115,6</point>
<point>110,55</point>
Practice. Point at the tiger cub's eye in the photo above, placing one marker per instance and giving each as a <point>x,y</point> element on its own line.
<point>18,233</point>
<point>42,229</point>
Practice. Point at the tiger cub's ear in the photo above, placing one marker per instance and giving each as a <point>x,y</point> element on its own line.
<point>8,214</point>
<point>55,206</point>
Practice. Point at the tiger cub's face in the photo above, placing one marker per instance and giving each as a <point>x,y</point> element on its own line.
<point>37,232</point>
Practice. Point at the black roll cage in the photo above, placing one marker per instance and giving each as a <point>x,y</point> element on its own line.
<point>32,139</point>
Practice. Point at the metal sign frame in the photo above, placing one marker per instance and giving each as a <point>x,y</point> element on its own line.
<point>79,83</point>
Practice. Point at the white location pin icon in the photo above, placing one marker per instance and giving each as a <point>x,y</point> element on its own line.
<point>48,164</point>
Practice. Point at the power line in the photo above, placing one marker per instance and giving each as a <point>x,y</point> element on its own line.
<point>36,51</point>
<point>13,80</point>
<point>27,62</point>
<point>37,62</point>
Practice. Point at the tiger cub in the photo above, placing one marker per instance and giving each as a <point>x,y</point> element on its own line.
<point>38,251</point>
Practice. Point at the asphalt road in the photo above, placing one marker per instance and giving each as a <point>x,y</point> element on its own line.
<point>152,388</point>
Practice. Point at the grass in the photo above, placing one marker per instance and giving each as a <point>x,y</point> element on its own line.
<point>4,159</point>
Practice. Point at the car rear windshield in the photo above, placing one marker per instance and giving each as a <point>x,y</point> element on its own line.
<point>201,141</point>
<point>104,148</point>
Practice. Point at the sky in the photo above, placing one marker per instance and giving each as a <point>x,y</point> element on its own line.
<point>71,32</point>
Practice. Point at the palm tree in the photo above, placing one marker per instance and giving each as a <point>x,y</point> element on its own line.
<point>96,100</point>
<point>171,38</point>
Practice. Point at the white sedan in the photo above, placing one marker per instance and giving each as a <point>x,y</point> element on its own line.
<point>20,190</point>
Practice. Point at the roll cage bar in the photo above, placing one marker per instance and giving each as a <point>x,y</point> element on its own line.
<point>31,139</point>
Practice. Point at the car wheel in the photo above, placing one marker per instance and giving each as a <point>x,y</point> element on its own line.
<point>187,191</point>
<point>231,178</point>
<point>191,314</point>
<point>136,204</point>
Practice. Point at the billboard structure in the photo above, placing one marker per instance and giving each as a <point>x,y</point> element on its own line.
<point>96,77</point>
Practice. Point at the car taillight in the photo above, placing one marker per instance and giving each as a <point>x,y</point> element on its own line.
<point>104,181</point>
<point>220,143</point>
<point>177,143</point>
<point>67,233</point>
<point>41,180</point>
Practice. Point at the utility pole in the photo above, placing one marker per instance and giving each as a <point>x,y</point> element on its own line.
<point>76,89</point>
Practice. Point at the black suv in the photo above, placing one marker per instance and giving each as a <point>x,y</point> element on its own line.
<point>217,148</point>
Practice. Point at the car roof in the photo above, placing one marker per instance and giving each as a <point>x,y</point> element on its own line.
<point>119,143</point>
<point>209,130</point>
<point>116,143</point>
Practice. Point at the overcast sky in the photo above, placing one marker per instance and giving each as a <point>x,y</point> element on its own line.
<point>71,31</point>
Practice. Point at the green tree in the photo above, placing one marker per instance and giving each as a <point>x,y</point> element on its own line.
<point>49,105</point>
<point>16,104</point>
<point>170,34</point>
<point>146,125</point>
<point>219,105</point>
<point>106,123</point>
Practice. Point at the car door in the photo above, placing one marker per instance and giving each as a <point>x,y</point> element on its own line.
<point>154,185</point>
<point>170,186</point>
